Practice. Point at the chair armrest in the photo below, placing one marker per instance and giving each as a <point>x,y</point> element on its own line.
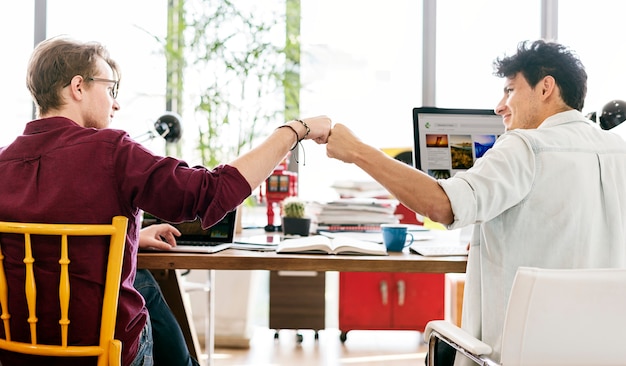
<point>458,336</point>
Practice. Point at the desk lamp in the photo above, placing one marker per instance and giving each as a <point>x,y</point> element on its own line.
<point>613,113</point>
<point>168,126</point>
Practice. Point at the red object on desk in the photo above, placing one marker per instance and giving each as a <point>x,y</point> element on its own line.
<point>407,216</point>
<point>281,184</point>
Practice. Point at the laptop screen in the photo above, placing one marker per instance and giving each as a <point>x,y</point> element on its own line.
<point>447,141</point>
<point>221,232</point>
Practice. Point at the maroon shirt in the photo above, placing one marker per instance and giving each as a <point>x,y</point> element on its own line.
<point>60,172</point>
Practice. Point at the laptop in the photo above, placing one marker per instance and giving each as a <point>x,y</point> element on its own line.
<point>195,239</point>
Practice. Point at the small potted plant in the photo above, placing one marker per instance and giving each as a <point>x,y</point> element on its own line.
<point>294,218</point>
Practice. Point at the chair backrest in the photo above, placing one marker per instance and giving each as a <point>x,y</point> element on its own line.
<point>108,350</point>
<point>566,317</point>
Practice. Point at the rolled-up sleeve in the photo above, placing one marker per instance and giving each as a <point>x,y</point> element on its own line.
<point>496,182</point>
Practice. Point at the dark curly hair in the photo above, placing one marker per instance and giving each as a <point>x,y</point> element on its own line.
<point>541,58</point>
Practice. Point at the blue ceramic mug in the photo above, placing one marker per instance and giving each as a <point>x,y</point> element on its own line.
<point>396,237</point>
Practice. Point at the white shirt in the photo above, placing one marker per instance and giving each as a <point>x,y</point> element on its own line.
<point>551,197</point>
<point>620,130</point>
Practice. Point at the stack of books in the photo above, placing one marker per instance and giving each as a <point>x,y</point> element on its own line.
<point>360,189</point>
<point>356,214</point>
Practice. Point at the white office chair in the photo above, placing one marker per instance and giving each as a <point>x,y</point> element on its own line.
<point>554,317</point>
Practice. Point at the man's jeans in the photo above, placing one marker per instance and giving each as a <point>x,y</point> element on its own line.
<point>169,343</point>
<point>144,354</point>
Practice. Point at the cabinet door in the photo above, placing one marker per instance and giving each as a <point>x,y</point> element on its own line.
<point>418,299</point>
<point>297,300</point>
<point>364,300</point>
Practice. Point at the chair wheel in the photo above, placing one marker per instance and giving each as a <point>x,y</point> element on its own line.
<point>299,337</point>
<point>343,336</point>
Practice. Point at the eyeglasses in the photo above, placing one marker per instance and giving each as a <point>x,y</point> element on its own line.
<point>113,90</point>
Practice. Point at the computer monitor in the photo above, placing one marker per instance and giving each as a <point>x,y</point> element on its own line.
<point>447,141</point>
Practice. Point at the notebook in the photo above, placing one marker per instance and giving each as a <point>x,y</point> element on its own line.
<point>439,250</point>
<point>445,243</point>
<point>195,239</point>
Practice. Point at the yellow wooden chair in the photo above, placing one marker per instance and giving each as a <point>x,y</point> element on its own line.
<point>109,349</point>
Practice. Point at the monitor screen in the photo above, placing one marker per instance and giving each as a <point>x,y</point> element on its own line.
<point>447,141</point>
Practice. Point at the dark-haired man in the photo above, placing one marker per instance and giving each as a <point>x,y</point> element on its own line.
<point>550,193</point>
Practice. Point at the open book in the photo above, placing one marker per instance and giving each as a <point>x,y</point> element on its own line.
<point>322,244</point>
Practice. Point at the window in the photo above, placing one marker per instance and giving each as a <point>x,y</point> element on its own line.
<point>361,66</point>
<point>122,27</point>
<point>17,45</point>
<point>594,29</point>
<point>470,36</point>
<point>361,62</point>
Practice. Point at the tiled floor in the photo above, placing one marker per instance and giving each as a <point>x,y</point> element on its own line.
<point>362,348</point>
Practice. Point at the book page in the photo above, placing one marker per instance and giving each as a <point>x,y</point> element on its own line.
<point>323,244</point>
<point>305,244</point>
<point>347,245</point>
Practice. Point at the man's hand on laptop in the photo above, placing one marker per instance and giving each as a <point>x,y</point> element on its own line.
<point>158,236</point>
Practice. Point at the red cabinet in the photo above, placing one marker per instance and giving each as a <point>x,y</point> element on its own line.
<point>389,301</point>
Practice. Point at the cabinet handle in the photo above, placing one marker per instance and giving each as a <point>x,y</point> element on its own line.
<point>401,291</point>
<point>383,291</point>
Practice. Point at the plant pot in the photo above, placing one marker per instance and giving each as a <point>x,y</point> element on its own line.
<point>296,226</point>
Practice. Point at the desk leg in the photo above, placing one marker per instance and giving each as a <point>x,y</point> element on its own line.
<point>169,281</point>
<point>210,333</point>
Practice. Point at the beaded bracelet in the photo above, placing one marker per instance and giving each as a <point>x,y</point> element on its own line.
<point>308,129</point>
<point>295,132</point>
<point>305,126</point>
<point>298,139</point>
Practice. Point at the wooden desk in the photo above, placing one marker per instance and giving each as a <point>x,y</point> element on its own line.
<point>164,264</point>
<point>233,259</point>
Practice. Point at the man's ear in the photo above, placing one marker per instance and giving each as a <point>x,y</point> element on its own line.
<point>76,87</point>
<point>548,86</point>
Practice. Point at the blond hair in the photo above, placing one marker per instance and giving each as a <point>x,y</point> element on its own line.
<point>55,62</point>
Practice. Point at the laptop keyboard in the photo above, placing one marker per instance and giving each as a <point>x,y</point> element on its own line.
<point>196,243</point>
